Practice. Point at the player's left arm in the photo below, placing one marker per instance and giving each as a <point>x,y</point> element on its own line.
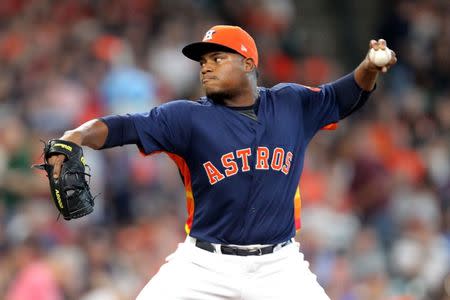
<point>351,92</point>
<point>366,73</point>
<point>323,107</point>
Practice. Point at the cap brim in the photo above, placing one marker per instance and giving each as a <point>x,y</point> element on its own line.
<point>195,51</point>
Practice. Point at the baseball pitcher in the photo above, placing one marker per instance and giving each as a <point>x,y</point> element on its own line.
<point>240,151</point>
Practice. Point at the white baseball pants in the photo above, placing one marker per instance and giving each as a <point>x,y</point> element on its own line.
<point>191,273</point>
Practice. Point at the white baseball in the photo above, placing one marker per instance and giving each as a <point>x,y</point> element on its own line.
<point>380,57</point>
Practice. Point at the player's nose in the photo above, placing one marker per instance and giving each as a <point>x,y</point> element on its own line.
<point>205,68</point>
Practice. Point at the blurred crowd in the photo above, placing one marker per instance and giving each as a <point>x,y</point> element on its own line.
<point>375,192</point>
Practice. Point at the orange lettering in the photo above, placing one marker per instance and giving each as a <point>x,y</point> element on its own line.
<point>214,175</point>
<point>243,154</point>
<point>277,159</point>
<point>287,165</point>
<point>229,163</point>
<point>262,158</point>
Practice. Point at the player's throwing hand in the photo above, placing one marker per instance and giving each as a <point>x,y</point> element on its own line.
<point>379,56</point>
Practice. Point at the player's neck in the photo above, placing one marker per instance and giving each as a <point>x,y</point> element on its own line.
<point>246,98</point>
<point>241,101</point>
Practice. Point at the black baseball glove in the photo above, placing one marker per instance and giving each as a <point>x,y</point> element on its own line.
<point>70,192</point>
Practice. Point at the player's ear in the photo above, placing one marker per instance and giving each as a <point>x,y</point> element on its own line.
<point>249,65</point>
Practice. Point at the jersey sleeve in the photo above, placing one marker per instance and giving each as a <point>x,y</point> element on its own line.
<point>164,128</point>
<point>316,106</point>
<point>322,107</point>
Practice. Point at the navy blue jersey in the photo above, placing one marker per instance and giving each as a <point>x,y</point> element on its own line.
<point>241,175</point>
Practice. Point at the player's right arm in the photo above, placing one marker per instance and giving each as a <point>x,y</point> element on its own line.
<point>92,134</point>
<point>164,128</point>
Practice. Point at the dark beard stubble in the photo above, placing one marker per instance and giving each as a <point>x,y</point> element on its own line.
<point>220,97</point>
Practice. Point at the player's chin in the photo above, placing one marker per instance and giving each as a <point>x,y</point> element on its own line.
<point>211,89</point>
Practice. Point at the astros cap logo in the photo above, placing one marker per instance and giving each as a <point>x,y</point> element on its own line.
<point>208,35</point>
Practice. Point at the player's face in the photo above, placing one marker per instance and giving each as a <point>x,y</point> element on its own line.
<point>222,74</point>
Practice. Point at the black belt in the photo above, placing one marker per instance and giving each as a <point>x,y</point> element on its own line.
<point>229,250</point>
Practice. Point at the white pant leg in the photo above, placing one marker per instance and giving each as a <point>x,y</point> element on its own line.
<point>195,274</point>
<point>282,275</point>
<point>191,273</point>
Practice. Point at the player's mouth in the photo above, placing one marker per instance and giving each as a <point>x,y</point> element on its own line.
<point>208,78</point>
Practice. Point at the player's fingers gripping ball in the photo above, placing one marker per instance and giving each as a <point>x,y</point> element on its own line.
<point>379,54</point>
<point>70,191</point>
<point>380,57</point>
